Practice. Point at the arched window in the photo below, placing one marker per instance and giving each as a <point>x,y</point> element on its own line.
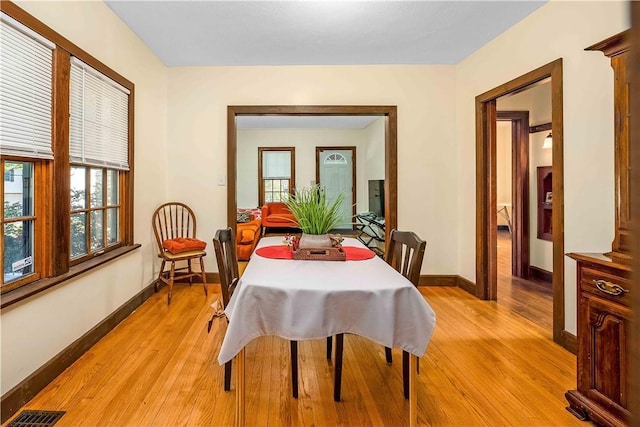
<point>335,159</point>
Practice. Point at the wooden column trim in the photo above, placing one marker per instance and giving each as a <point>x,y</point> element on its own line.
<point>61,207</point>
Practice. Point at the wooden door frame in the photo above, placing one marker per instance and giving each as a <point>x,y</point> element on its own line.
<point>354,184</point>
<point>486,221</point>
<point>519,190</point>
<point>389,112</point>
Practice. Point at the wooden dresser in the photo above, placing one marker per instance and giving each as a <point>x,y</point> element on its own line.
<point>603,324</point>
<point>604,284</point>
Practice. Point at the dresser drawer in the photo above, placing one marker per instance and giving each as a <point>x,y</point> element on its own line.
<point>605,285</point>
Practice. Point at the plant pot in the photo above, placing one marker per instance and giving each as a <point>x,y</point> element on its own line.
<point>315,241</point>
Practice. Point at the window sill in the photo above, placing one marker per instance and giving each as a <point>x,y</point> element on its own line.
<point>26,291</point>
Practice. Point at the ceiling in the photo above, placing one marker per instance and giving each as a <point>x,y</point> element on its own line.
<point>214,33</point>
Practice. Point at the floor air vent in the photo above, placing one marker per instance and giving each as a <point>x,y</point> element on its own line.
<point>36,419</point>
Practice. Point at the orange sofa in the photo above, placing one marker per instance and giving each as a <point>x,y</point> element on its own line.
<point>276,214</point>
<point>247,236</point>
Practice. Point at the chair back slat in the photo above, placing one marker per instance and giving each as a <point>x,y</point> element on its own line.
<point>172,220</point>
<point>225,246</point>
<point>405,254</point>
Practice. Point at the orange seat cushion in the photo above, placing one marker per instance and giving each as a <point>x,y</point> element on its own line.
<point>183,244</point>
<point>285,218</point>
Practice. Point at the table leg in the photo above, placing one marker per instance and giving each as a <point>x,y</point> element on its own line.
<point>240,389</point>
<point>413,398</point>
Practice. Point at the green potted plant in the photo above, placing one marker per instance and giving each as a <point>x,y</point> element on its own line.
<point>315,214</point>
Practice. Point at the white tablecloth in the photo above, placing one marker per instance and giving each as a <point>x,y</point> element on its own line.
<point>300,300</point>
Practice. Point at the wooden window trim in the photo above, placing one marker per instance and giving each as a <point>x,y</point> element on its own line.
<point>53,203</point>
<point>292,180</point>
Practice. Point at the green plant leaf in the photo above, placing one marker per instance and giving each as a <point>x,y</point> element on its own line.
<point>312,210</point>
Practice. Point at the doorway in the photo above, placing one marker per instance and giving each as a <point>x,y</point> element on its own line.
<point>514,207</point>
<point>388,112</point>
<point>486,195</point>
<point>336,172</point>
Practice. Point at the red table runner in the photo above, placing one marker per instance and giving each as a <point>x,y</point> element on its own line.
<point>284,252</point>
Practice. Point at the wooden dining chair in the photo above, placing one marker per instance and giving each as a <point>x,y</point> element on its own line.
<point>224,244</point>
<point>405,253</point>
<point>173,222</point>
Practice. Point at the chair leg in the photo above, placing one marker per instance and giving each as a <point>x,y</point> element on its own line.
<point>171,274</point>
<point>338,379</point>
<point>189,272</point>
<point>329,347</point>
<point>204,277</point>
<point>388,355</point>
<point>294,368</point>
<point>160,275</point>
<point>227,376</point>
<point>405,373</point>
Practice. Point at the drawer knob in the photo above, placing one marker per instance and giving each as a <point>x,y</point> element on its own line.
<point>610,288</point>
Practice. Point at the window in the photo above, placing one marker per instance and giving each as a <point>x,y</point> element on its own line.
<point>276,173</point>
<point>67,195</point>
<point>18,222</point>
<point>94,210</point>
<point>335,159</point>
<point>25,131</point>
<point>98,149</point>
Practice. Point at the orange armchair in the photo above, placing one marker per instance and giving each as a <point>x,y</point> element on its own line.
<point>247,236</point>
<point>276,214</point>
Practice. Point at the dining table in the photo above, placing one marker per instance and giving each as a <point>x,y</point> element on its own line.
<point>314,299</point>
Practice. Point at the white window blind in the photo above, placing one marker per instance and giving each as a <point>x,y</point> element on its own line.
<point>25,91</point>
<point>99,119</point>
<point>276,164</point>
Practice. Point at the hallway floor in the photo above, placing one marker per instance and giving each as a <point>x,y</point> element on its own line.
<point>532,299</point>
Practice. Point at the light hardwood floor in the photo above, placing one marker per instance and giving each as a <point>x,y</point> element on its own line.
<point>532,299</point>
<point>485,366</point>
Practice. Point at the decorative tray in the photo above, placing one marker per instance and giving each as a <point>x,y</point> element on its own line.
<point>320,254</point>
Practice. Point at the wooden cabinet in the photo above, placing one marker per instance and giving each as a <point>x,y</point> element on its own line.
<point>603,325</point>
<point>617,48</point>
<point>604,284</point>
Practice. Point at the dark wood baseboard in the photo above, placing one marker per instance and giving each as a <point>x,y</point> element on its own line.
<point>438,280</point>
<point>447,280</point>
<point>15,398</point>
<point>466,285</point>
<point>569,342</point>
<point>540,274</point>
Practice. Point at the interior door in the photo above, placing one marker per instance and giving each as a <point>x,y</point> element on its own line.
<point>335,172</point>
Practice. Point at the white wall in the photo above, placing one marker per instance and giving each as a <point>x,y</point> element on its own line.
<point>503,168</point>
<point>374,137</point>
<point>305,142</point>
<point>556,30</point>
<point>427,181</point>
<point>537,101</point>
<point>53,319</point>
